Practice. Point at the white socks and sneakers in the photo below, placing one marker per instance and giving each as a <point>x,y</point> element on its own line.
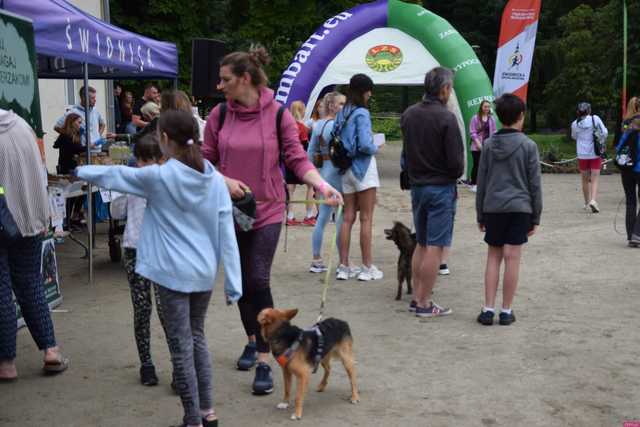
<point>363,273</point>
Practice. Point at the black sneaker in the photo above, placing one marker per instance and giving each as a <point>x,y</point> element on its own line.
<point>507,318</point>
<point>148,375</point>
<point>248,357</point>
<point>263,382</point>
<point>486,317</point>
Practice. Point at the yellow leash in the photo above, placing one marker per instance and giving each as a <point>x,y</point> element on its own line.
<point>327,277</point>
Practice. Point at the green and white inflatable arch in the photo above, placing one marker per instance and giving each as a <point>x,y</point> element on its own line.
<point>393,42</point>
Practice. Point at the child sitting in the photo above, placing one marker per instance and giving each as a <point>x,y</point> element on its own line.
<point>508,204</point>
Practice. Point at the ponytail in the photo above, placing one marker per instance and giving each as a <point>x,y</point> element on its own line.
<point>182,128</point>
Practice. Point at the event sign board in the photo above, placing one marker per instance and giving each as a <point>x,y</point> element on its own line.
<point>517,42</point>
<point>50,278</point>
<point>18,73</point>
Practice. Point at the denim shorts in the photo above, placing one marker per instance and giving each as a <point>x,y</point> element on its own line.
<point>434,208</point>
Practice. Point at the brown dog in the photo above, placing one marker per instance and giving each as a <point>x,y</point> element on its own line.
<point>299,351</point>
<point>406,243</point>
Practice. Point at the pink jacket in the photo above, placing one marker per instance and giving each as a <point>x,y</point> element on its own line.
<point>246,148</point>
<point>475,129</point>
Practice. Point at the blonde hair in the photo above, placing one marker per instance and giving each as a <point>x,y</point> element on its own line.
<point>297,110</point>
<point>633,108</point>
<point>251,62</point>
<point>329,102</point>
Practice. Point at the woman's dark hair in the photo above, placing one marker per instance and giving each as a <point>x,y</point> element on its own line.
<point>509,108</point>
<point>251,62</point>
<point>147,148</point>
<point>358,86</point>
<point>182,128</point>
<point>482,105</point>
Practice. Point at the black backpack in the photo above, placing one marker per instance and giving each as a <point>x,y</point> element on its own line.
<point>337,151</point>
<point>627,154</point>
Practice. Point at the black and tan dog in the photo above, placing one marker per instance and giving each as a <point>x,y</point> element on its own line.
<point>406,243</point>
<point>299,351</point>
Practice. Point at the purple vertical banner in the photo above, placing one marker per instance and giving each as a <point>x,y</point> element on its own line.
<point>315,54</point>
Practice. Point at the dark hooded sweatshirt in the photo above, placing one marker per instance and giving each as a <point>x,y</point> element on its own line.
<point>509,176</point>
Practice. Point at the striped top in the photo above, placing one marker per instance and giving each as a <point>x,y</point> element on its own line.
<point>23,175</point>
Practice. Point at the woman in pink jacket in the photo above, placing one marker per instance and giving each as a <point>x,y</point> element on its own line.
<point>244,147</point>
<point>482,126</point>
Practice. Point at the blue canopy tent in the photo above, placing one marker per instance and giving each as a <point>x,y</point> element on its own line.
<point>72,44</point>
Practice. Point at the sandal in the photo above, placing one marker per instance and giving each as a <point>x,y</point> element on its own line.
<point>53,367</point>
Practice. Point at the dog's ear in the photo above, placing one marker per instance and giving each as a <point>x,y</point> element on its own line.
<point>290,314</point>
<point>265,317</point>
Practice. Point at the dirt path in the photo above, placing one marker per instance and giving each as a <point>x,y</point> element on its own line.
<point>569,360</point>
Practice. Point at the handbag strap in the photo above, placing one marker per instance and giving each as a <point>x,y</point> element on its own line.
<point>323,143</point>
<point>338,129</point>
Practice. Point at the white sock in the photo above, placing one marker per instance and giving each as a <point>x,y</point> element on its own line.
<point>491,309</point>
<point>310,213</point>
<point>505,310</point>
<point>290,215</point>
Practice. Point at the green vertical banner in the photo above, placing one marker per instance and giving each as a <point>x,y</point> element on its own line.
<point>625,43</point>
<point>18,73</point>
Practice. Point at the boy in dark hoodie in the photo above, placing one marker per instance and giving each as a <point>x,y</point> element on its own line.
<point>508,204</point>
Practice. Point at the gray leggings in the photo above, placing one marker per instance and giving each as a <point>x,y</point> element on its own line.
<point>184,322</point>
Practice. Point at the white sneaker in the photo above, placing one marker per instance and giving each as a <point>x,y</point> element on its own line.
<point>443,270</point>
<point>594,206</point>
<point>474,188</point>
<point>371,273</point>
<point>342,272</point>
<point>317,266</point>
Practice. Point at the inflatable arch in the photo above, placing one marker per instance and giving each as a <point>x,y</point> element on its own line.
<point>393,42</point>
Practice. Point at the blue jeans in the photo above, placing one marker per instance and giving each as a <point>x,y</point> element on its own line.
<point>434,208</point>
<point>324,214</point>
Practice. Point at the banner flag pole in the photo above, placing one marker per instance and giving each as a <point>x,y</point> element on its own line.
<point>625,42</point>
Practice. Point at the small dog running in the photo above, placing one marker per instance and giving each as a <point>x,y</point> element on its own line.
<point>300,351</point>
<point>406,243</point>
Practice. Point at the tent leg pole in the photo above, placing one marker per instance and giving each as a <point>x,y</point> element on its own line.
<point>90,229</point>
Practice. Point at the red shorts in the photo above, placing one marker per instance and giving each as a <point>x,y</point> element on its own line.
<point>590,164</point>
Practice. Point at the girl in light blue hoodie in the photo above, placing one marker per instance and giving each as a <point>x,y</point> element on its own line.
<point>187,231</point>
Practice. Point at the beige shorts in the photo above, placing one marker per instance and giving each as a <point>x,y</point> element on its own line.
<point>351,184</point>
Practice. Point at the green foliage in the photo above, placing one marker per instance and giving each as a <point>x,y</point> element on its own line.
<point>578,52</point>
<point>389,126</point>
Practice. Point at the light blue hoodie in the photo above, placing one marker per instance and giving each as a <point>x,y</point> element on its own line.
<point>187,228</point>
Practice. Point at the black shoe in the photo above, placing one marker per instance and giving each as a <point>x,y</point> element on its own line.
<point>248,358</point>
<point>263,382</point>
<point>486,317</point>
<point>507,319</point>
<point>148,375</point>
<point>207,423</point>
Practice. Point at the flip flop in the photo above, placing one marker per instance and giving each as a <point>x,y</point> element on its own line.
<point>56,366</point>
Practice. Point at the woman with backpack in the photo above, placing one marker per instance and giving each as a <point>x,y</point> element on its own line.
<point>628,160</point>
<point>360,176</point>
<point>583,130</point>
<point>318,152</point>
<point>245,138</point>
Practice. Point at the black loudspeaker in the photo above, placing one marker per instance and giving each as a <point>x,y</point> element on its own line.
<point>206,55</point>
